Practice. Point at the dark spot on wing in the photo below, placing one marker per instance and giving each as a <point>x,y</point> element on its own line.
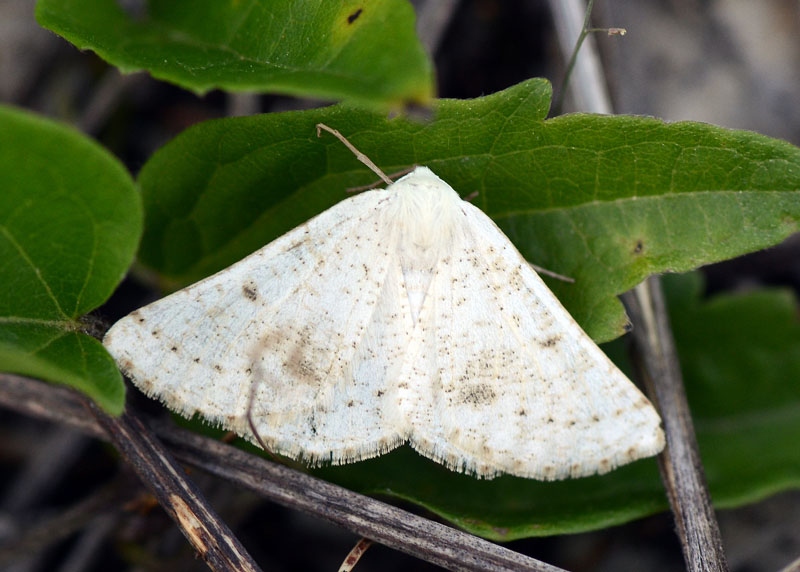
<point>300,362</point>
<point>249,292</point>
<point>551,341</point>
<point>477,394</point>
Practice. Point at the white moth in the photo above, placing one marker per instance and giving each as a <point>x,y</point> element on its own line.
<point>397,316</point>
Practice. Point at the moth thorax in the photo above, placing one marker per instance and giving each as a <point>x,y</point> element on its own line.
<point>426,211</point>
<point>425,217</point>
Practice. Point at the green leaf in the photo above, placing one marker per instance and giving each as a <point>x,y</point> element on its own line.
<point>366,53</point>
<point>606,200</point>
<point>740,356</point>
<point>70,221</point>
<point>508,508</point>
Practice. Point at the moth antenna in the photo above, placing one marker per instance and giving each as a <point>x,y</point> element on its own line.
<point>393,176</point>
<point>359,155</point>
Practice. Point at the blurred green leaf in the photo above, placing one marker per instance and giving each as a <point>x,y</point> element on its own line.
<point>606,200</point>
<point>740,356</point>
<point>365,53</point>
<point>70,220</point>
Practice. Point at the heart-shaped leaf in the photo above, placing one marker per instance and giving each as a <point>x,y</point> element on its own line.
<point>70,221</point>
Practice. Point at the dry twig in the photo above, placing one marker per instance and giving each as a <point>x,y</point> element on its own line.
<point>199,523</point>
<point>680,464</point>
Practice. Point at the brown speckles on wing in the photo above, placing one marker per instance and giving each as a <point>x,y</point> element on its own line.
<point>501,361</point>
<point>279,323</point>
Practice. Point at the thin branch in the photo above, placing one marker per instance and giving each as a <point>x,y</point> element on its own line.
<point>583,75</point>
<point>55,454</point>
<point>433,17</point>
<point>209,535</point>
<point>242,104</point>
<point>36,538</point>
<point>87,547</point>
<point>105,99</point>
<point>681,467</point>
<point>365,516</point>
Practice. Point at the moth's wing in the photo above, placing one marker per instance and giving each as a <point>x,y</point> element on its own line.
<point>303,323</point>
<point>514,385</point>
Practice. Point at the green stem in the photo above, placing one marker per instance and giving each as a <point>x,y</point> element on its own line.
<point>573,58</point>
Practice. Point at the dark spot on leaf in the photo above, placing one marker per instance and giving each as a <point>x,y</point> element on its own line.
<point>354,16</point>
<point>350,403</point>
<point>638,247</point>
<point>197,360</point>
<point>174,348</point>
